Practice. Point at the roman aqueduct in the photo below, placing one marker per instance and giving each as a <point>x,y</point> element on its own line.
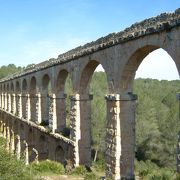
<point>25,102</point>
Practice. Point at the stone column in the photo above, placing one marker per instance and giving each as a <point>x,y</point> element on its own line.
<point>26,152</point>
<point>28,110</point>
<point>19,105</point>
<point>9,103</point>
<point>12,147</point>
<point>5,101</point>
<point>61,111</point>
<point>7,139</point>
<point>80,128</point>
<point>4,130</point>
<point>52,113</point>
<point>1,126</point>
<point>45,107</point>
<point>120,136</point>
<point>36,158</point>
<point>178,153</point>
<point>2,100</point>
<point>38,108</point>
<point>75,132</point>
<point>18,147</point>
<point>178,144</point>
<point>14,103</point>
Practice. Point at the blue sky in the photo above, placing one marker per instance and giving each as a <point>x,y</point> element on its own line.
<point>32,31</point>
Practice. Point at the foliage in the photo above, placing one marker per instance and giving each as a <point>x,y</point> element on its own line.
<point>80,170</point>
<point>90,176</point>
<point>98,88</point>
<point>10,69</point>
<point>157,122</point>
<point>150,171</point>
<point>66,132</point>
<point>48,166</point>
<point>99,165</point>
<point>11,168</point>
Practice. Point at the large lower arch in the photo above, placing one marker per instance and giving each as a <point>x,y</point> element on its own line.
<point>127,107</point>
<point>33,99</point>
<point>43,148</point>
<point>59,154</point>
<point>62,101</point>
<point>24,92</point>
<point>46,90</point>
<point>83,100</point>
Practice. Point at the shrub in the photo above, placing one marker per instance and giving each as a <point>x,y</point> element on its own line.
<point>99,165</point>
<point>11,168</point>
<point>48,167</point>
<point>66,132</point>
<point>149,170</point>
<point>80,170</point>
<point>90,176</point>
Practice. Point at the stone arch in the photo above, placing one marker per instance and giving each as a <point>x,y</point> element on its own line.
<point>86,76</point>
<point>43,148</point>
<point>12,87</point>
<point>61,80</point>
<point>8,87</point>
<point>8,97</point>
<point>33,85</point>
<point>127,106</point>
<point>30,136</point>
<point>86,110</point>
<point>62,102</point>
<point>46,91</point>
<point>130,68</point>
<point>24,85</point>
<point>45,82</point>
<point>18,88</point>
<point>16,127</point>
<point>31,145</point>
<point>33,98</point>
<point>59,154</point>
<point>22,131</point>
<point>22,137</point>
<point>24,93</point>
<point>17,144</point>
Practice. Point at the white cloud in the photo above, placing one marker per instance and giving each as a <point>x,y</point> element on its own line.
<point>44,50</point>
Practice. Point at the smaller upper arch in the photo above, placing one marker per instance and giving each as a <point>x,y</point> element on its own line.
<point>12,87</point>
<point>24,85</point>
<point>59,154</point>
<point>46,82</point>
<point>129,69</point>
<point>61,80</point>
<point>33,85</point>
<point>86,75</point>
<point>18,89</point>
<point>8,87</point>
<point>4,87</point>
